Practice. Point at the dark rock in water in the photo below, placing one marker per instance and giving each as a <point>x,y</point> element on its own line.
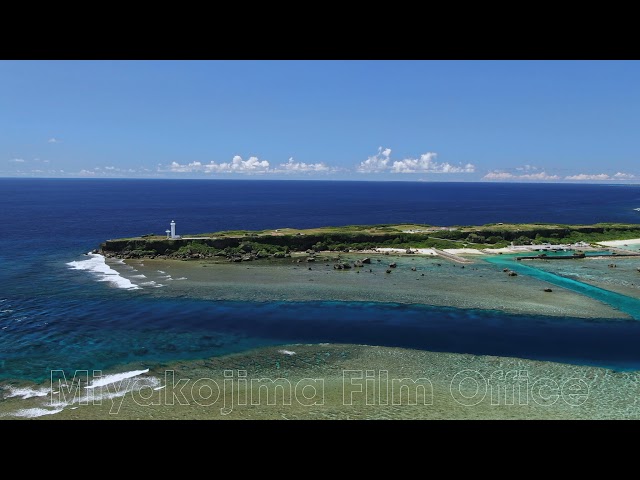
<point>386,253</point>
<point>462,266</point>
<point>378,260</point>
<point>408,250</point>
<point>370,271</point>
<point>358,263</point>
<point>505,270</point>
<point>366,260</point>
<point>341,266</point>
<point>422,275</point>
<point>388,270</point>
<point>512,274</point>
<point>548,290</point>
<point>311,259</point>
<point>439,264</point>
<point>413,269</point>
<point>309,268</point>
<point>393,265</point>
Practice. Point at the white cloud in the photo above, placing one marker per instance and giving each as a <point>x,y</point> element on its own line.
<point>17,160</point>
<point>586,176</point>
<point>54,140</point>
<point>86,173</point>
<point>540,176</point>
<point>601,176</point>
<point>237,165</point>
<point>499,176</point>
<point>624,176</point>
<point>377,162</point>
<point>527,168</point>
<point>426,163</point>
<point>299,167</point>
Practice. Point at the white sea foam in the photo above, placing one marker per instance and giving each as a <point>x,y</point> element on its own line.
<point>181,278</point>
<point>26,392</point>
<point>35,412</point>
<point>138,276</point>
<point>160,271</point>
<point>96,264</point>
<point>286,352</point>
<point>116,377</point>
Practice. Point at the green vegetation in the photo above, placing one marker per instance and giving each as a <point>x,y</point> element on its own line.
<point>279,242</point>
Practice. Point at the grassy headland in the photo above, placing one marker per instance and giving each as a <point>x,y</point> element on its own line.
<point>281,242</point>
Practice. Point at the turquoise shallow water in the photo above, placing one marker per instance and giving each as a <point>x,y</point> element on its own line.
<point>624,303</point>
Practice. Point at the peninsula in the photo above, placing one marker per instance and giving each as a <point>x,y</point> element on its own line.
<point>244,245</point>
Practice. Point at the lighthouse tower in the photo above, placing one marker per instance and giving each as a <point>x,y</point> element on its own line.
<point>173,229</point>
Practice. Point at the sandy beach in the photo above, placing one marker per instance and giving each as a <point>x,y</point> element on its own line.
<point>620,243</point>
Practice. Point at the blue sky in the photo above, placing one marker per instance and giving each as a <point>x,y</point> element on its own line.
<point>555,121</point>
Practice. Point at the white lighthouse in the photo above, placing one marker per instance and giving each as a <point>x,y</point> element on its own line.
<point>173,229</point>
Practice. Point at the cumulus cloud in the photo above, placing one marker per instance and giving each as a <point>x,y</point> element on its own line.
<point>623,176</point>
<point>601,176</point>
<point>237,165</point>
<point>540,176</point>
<point>426,163</point>
<point>54,140</point>
<point>377,162</point>
<point>586,176</point>
<point>17,160</point>
<point>251,165</point>
<point>300,167</point>
<point>499,176</point>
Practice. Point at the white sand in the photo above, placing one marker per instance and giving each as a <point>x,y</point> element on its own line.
<point>425,251</point>
<point>422,251</point>
<point>620,243</point>
<point>456,251</point>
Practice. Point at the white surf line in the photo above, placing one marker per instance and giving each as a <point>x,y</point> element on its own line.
<point>97,265</point>
<point>116,377</point>
<point>35,412</point>
<point>26,392</point>
<point>287,352</point>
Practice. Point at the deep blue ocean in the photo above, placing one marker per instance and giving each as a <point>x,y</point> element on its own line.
<point>53,317</point>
